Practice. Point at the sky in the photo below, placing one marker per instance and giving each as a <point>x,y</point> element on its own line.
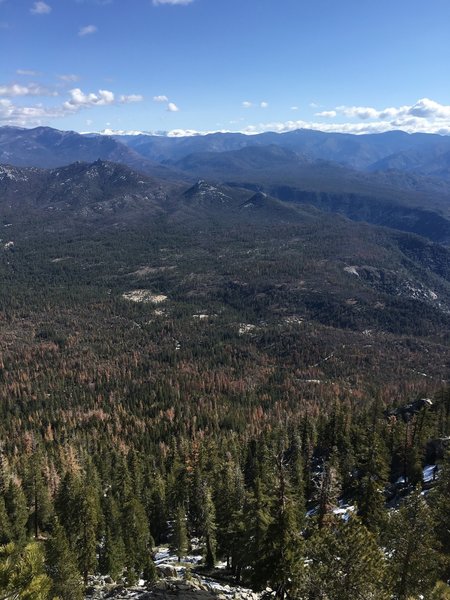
<point>197,66</point>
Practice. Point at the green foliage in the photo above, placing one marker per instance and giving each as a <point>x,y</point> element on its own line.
<point>180,541</point>
<point>415,561</point>
<point>22,573</point>
<point>61,566</point>
<point>345,562</point>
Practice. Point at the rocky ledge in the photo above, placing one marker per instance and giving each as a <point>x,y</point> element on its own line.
<point>170,588</point>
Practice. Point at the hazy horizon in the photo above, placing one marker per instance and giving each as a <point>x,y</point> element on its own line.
<point>201,66</point>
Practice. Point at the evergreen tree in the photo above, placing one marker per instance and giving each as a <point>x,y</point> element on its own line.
<point>179,543</point>
<point>345,562</point>
<point>87,535</point>
<point>256,520</point>
<point>412,546</point>
<point>282,558</point>
<point>68,504</point>
<point>112,552</point>
<point>16,507</point>
<point>61,566</point>
<point>22,573</point>
<point>37,493</point>
<point>327,489</point>
<point>157,512</point>
<point>136,536</point>
<point>229,499</point>
<point>209,527</point>
<point>373,471</point>
<point>439,499</point>
<point>6,531</point>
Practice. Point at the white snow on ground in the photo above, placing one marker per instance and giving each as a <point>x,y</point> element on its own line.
<point>246,328</point>
<point>229,591</point>
<point>344,511</point>
<point>429,473</point>
<point>352,270</point>
<point>164,557</point>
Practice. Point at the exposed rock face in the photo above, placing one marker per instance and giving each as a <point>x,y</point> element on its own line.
<point>169,588</point>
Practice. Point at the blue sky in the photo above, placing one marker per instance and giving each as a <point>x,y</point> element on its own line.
<point>233,65</point>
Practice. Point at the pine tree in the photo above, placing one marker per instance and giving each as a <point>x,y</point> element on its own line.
<point>22,573</point>
<point>157,512</point>
<point>179,541</point>
<point>209,527</point>
<point>6,533</point>
<point>61,566</point>
<point>112,552</point>
<point>411,545</point>
<point>439,499</point>
<point>37,493</point>
<point>373,470</point>
<point>345,562</point>
<point>327,489</point>
<point>282,556</point>
<point>136,536</point>
<point>68,506</point>
<point>87,536</point>
<point>229,499</point>
<point>256,518</point>
<point>16,507</point>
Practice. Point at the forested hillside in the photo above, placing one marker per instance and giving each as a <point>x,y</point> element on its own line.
<point>219,371</point>
<point>163,382</point>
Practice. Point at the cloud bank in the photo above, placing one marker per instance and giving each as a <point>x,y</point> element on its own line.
<point>425,115</point>
<point>15,114</point>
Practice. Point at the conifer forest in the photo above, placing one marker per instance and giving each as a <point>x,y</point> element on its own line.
<point>213,388</point>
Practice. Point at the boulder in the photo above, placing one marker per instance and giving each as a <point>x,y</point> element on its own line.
<point>166,570</point>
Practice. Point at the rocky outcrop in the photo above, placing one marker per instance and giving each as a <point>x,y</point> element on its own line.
<point>170,588</point>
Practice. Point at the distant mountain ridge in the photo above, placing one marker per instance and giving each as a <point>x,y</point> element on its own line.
<point>341,173</point>
<point>393,149</point>
<point>45,147</point>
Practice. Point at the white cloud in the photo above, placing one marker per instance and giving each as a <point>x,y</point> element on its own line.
<point>172,2</point>
<point>28,72</point>
<point>247,104</point>
<point>183,133</point>
<point>79,99</point>
<point>294,107</point>
<point>131,98</point>
<point>32,89</point>
<point>26,115</point>
<point>69,78</point>
<point>264,104</point>
<point>40,8</point>
<point>87,30</point>
<point>327,113</point>
<point>422,109</point>
<point>429,108</point>
<point>172,107</point>
<point>160,99</point>
<point>14,114</point>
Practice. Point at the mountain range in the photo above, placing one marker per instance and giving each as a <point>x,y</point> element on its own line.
<point>263,235</point>
<point>345,174</point>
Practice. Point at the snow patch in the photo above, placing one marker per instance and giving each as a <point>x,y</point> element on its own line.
<point>246,328</point>
<point>144,296</point>
<point>352,270</point>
